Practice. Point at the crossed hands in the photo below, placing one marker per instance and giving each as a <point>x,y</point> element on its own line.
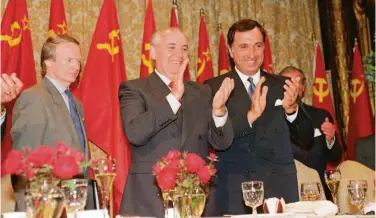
<point>10,87</point>
<point>328,129</point>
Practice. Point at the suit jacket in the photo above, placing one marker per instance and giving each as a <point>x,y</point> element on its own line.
<point>153,129</point>
<point>41,117</point>
<point>261,152</point>
<point>365,151</point>
<point>318,156</point>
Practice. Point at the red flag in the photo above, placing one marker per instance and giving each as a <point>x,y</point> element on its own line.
<point>223,65</point>
<point>267,65</point>
<point>98,91</point>
<point>361,120</point>
<point>16,56</point>
<point>174,22</point>
<point>204,62</point>
<point>58,22</point>
<point>147,67</point>
<point>321,97</point>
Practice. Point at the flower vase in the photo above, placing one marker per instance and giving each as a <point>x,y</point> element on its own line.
<point>44,198</point>
<point>189,205</point>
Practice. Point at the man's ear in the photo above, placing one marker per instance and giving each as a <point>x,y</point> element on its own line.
<point>230,51</point>
<point>153,53</point>
<point>48,63</point>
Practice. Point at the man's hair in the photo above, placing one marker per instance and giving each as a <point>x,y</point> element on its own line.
<point>156,37</point>
<point>49,47</point>
<point>290,69</point>
<point>243,26</point>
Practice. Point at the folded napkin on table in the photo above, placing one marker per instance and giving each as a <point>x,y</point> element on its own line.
<point>321,208</point>
<point>371,206</point>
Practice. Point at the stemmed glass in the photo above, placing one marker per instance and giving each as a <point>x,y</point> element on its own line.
<point>357,190</point>
<point>332,179</point>
<point>253,194</point>
<point>75,193</point>
<point>105,172</point>
<point>310,191</point>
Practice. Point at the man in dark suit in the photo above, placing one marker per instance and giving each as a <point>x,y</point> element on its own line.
<point>47,112</point>
<point>157,118</point>
<point>10,88</point>
<point>263,110</point>
<point>365,151</point>
<point>325,142</point>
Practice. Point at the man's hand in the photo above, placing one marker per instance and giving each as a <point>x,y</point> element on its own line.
<point>177,88</point>
<point>291,95</point>
<point>221,97</point>
<point>328,129</point>
<point>10,87</point>
<point>258,101</point>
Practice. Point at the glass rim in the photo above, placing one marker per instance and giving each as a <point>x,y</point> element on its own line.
<point>77,180</point>
<point>252,182</point>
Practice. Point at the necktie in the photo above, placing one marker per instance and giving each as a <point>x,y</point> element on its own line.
<point>76,118</point>
<point>251,87</point>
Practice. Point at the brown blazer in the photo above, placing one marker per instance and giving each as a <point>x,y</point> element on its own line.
<point>41,117</point>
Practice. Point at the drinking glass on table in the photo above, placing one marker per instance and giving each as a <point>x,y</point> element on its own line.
<point>75,193</point>
<point>310,191</point>
<point>253,194</point>
<point>332,179</point>
<point>357,190</point>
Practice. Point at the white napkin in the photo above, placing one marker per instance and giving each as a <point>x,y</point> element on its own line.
<point>321,208</point>
<point>93,214</point>
<point>14,215</point>
<point>371,206</point>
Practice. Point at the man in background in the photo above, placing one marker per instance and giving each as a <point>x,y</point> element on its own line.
<point>162,112</point>
<point>11,86</point>
<point>325,144</point>
<point>264,112</point>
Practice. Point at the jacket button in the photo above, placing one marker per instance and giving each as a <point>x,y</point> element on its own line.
<point>271,151</point>
<point>274,171</point>
<point>246,171</point>
<point>173,134</point>
<point>275,130</point>
<point>248,150</point>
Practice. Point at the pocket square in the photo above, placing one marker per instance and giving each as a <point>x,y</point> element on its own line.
<point>317,133</point>
<point>278,102</point>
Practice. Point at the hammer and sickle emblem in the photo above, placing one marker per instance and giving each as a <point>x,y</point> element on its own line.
<point>354,93</point>
<point>202,66</point>
<point>147,60</point>
<point>13,41</point>
<point>321,93</point>
<point>111,48</point>
<point>62,27</point>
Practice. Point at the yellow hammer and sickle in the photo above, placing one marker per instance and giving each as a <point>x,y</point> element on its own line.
<point>51,33</point>
<point>13,41</point>
<point>321,93</point>
<point>147,61</point>
<point>202,66</point>
<point>354,93</point>
<point>111,48</point>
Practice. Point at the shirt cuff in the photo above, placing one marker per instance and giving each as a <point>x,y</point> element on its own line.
<point>292,117</point>
<point>220,121</point>
<point>174,103</point>
<point>330,146</point>
<point>3,115</point>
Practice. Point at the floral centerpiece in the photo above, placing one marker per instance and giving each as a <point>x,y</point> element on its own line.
<point>43,168</point>
<point>184,178</point>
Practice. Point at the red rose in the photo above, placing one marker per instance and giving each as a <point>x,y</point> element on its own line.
<point>41,155</point>
<point>193,162</point>
<point>29,172</point>
<point>78,156</point>
<point>173,155</point>
<point>65,167</point>
<point>166,179</point>
<point>204,174</point>
<point>13,163</point>
<point>174,165</point>
<point>157,168</point>
<point>62,148</point>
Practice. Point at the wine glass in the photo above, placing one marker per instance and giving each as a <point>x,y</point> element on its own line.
<point>75,193</point>
<point>332,179</point>
<point>357,190</point>
<point>105,172</point>
<point>253,194</point>
<point>310,191</point>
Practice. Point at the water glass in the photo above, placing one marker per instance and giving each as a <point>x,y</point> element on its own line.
<point>310,191</point>
<point>253,194</point>
<point>75,192</point>
<point>357,190</point>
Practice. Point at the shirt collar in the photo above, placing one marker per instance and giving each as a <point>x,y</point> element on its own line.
<point>57,85</point>
<point>164,78</point>
<point>244,78</point>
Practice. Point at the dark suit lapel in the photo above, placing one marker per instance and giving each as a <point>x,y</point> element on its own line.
<point>157,86</point>
<point>63,110</point>
<point>188,109</point>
